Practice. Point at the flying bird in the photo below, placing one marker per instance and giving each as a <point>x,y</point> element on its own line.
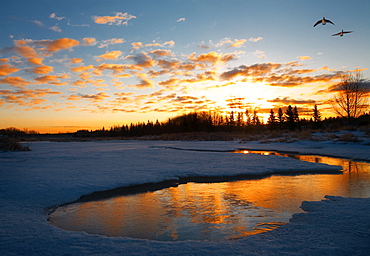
<point>323,21</point>
<point>341,33</point>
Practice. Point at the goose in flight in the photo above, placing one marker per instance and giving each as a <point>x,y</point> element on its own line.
<point>341,33</point>
<point>323,21</point>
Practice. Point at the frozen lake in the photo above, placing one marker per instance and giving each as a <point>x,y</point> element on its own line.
<point>214,211</point>
<point>55,173</point>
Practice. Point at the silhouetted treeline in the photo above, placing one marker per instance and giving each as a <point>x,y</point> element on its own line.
<point>236,121</point>
<point>14,132</point>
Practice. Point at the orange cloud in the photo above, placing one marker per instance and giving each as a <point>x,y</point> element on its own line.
<point>61,44</point>
<point>82,68</point>
<point>327,68</point>
<point>144,82</point>
<point>170,82</point>
<point>253,70</point>
<point>6,69</point>
<point>80,83</point>
<point>199,78</point>
<point>118,84</point>
<point>154,74</point>
<point>35,61</point>
<point>238,43</point>
<point>230,43</point>
<point>38,92</point>
<point>118,19</point>
<point>289,101</point>
<point>111,55</point>
<point>223,42</point>
<point>43,69</point>
<point>94,97</point>
<point>9,98</point>
<point>142,60</point>
<point>293,64</point>
<point>14,81</point>
<point>137,45</point>
<point>169,43</point>
<point>116,68</point>
<point>213,58</point>
<point>204,77</point>
<point>89,41</point>
<point>4,60</point>
<point>112,41</point>
<point>74,97</point>
<point>76,60</point>
<point>116,41</point>
<point>84,83</point>
<point>161,52</point>
<point>26,97</point>
<point>304,57</point>
<point>124,96</point>
<point>153,45</point>
<point>174,103</point>
<point>302,71</point>
<point>85,75</point>
<point>291,80</point>
<point>26,51</point>
<point>49,79</point>
<point>169,64</point>
<point>21,42</point>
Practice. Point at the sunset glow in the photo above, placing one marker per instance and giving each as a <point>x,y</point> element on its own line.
<point>84,65</point>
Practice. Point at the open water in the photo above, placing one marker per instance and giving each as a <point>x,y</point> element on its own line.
<point>214,211</point>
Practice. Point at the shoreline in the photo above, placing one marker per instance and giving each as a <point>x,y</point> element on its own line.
<point>154,186</point>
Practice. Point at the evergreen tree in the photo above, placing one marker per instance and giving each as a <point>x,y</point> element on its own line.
<point>280,116</point>
<point>290,117</point>
<point>248,115</point>
<point>239,119</point>
<point>272,118</point>
<point>295,114</point>
<point>231,119</point>
<point>255,119</point>
<point>316,115</point>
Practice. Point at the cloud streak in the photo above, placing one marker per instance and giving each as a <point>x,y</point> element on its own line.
<point>118,19</point>
<point>6,69</point>
<point>277,74</point>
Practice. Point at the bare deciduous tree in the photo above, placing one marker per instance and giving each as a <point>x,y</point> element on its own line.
<point>352,99</point>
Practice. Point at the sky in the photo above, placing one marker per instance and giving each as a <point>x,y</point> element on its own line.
<point>85,64</point>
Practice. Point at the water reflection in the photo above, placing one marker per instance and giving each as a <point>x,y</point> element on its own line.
<point>348,165</point>
<point>211,211</point>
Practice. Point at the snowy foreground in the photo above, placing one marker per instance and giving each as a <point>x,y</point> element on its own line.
<point>54,173</point>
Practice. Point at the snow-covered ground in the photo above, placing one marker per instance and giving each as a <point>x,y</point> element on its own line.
<point>54,173</point>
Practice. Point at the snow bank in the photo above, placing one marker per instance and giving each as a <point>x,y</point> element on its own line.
<point>55,173</point>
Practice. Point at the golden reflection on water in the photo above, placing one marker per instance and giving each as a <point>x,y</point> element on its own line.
<point>199,211</point>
